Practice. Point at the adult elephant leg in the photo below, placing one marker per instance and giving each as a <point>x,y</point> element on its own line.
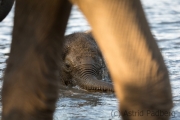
<point>5,7</point>
<point>140,76</point>
<point>30,83</point>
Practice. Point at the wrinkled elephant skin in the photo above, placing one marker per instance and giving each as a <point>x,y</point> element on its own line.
<point>83,63</point>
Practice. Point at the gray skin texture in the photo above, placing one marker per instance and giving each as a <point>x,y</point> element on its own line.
<point>83,64</point>
<point>5,7</point>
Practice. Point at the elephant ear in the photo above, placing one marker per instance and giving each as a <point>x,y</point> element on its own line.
<point>5,7</point>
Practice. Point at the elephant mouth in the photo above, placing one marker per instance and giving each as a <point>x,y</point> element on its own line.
<point>86,77</point>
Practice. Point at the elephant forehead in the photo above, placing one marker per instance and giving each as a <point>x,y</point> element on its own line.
<point>82,42</point>
<point>78,55</point>
<point>84,46</point>
<point>84,52</point>
<point>90,49</point>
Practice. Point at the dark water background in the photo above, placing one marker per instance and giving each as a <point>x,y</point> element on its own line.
<point>164,19</point>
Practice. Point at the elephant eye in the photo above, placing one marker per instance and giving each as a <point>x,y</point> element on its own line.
<point>67,65</point>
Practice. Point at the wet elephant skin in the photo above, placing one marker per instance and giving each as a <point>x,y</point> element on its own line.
<point>83,63</point>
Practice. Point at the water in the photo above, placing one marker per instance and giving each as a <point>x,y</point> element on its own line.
<point>164,19</point>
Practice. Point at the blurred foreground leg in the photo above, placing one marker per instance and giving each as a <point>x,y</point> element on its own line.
<point>30,87</point>
<point>139,74</point>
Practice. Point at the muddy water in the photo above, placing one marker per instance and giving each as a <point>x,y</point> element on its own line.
<point>164,19</point>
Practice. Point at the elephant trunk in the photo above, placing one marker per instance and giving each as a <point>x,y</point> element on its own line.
<point>86,78</point>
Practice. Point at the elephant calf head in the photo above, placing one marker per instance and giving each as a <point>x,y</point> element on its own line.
<point>83,63</point>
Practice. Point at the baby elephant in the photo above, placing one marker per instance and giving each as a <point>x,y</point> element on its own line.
<point>83,63</point>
